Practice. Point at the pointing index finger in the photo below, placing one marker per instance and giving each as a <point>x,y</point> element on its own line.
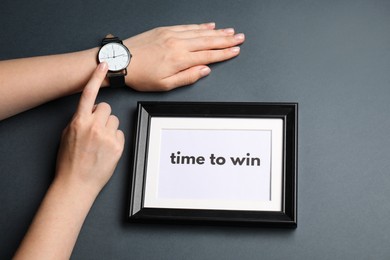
<point>90,92</point>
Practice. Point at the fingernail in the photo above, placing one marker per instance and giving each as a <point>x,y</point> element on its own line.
<point>205,71</point>
<point>235,49</point>
<point>210,25</point>
<point>228,31</point>
<point>239,36</point>
<point>103,66</point>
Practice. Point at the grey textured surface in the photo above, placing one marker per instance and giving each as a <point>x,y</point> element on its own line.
<point>332,57</point>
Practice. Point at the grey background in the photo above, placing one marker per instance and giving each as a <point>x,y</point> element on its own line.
<point>332,57</point>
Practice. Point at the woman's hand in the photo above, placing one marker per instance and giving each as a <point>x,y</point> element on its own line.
<point>91,144</point>
<point>169,57</point>
<point>90,148</point>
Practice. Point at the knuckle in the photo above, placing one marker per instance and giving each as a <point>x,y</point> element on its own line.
<point>200,32</point>
<point>104,106</point>
<point>209,56</point>
<point>208,40</point>
<point>114,118</point>
<point>172,42</point>
<point>120,141</point>
<point>212,41</point>
<point>118,148</point>
<point>96,131</point>
<point>176,61</point>
<point>231,41</point>
<point>114,145</point>
<point>76,123</point>
<point>88,91</point>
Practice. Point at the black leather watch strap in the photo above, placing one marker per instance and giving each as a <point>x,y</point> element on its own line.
<point>117,81</point>
<point>111,39</point>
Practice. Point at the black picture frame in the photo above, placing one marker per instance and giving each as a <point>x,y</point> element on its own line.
<point>147,111</point>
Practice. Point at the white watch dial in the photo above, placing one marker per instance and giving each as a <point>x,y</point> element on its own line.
<point>116,55</point>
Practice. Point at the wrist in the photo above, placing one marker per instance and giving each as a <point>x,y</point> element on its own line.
<point>73,185</point>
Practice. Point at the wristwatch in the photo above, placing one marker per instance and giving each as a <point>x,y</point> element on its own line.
<point>117,57</point>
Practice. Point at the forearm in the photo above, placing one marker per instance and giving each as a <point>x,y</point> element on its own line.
<point>28,82</point>
<point>55,228</point>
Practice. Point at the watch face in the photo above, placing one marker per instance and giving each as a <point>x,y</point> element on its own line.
<point>116,55</point>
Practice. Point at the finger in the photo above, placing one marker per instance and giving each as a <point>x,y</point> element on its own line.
<point>212,56</point>
<point>209,56</point>
<point>112,123</point>
<point>216,42</point>
<point>121,137</point>
<point>186,27</point>
<point>186,77</point>
<point>190,34</point>
<point>88,97</point>
<point>102,113</point>
<point>210,25</point>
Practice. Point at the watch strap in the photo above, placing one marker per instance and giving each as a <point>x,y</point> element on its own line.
<point>111,38</point>
<point>117,81</point>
